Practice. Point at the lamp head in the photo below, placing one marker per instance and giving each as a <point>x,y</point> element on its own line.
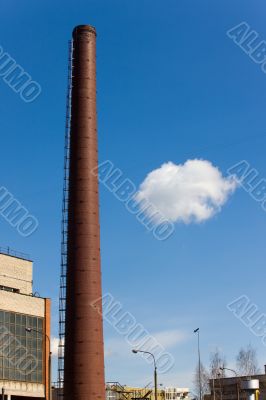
<point>134,351</point>
<point>196,330</point>
<point>28,330</point>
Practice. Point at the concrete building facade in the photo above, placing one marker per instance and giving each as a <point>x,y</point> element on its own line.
<point>24,331</point>
<point>232,388</point>
<point>176,393</point>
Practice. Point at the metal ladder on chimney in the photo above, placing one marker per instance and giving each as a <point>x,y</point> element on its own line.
<point>64,226</point>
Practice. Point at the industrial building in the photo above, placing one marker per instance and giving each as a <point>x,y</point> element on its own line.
<point>238,388</point>
<point>176,393</point>
<point>115,391</point>
<point>24,331</point>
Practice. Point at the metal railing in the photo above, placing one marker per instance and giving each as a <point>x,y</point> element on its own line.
<point>18,254</point>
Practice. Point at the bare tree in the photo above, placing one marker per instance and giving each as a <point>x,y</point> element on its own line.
<point>204,381</point>
<point>217,361</point>
<point>246,361</point>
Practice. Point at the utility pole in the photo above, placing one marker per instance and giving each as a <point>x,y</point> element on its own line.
<point>155,382</point>
<point>200,387</point>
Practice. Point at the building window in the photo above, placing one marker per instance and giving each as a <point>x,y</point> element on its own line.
<point>9,289</point>
<point>21,352</point>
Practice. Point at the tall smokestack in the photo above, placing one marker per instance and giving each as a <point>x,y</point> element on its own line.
<point>84,354</point>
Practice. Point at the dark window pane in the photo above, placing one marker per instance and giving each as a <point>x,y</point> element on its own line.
<point>18,330</point>
<point>12,374</point>
<point>30,366</point>
<point>22,365</point>
<point>7,317</point>
<point>22,358</point>
<point>34,376</point>
<point>29,322</point>
<point>40,343</point>
<point>17,352</point>
<point>6,362</point>
<point>39,377</point>
<point>12,348</point>
<point>12,318</point>
<point>6,373</point>
<point>12,329</point>
<point>23,352</point>
<point>34,353</point>
<point>39,355</point>
<point>17,375</point>
<point>40,324</point>
<point>18,319</point>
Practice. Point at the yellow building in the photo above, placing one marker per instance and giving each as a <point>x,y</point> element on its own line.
<point>115,391</point>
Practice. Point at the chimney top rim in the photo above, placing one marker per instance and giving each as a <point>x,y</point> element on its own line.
<point>83,28</point>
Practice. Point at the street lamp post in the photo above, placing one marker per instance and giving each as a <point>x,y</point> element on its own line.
<point>29,330</point>
<point>237,383</point>
<point>155,369</point>
<point>200,388</point>
<point>213,389</point>
<point>221,389</point>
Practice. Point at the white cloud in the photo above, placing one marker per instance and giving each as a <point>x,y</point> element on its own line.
<point>170,338</point>
<point>54,346</point>
<point>116,346</point>
<point>191,192</point>
<point>119,347</point>
<point>118,353</point>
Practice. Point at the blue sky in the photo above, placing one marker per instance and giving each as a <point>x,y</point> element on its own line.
<point>171,87</point>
